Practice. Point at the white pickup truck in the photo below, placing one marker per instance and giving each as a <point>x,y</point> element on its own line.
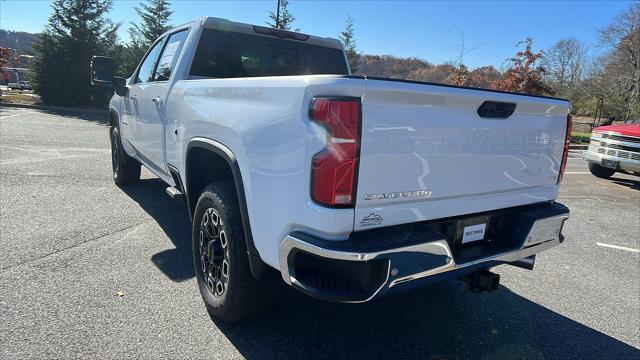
<point>350,187</point>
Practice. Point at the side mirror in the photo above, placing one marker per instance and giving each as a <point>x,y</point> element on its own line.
<point>120,85</point>
<point>102,71</point>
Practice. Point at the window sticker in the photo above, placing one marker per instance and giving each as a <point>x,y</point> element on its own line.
<point>168,54</point>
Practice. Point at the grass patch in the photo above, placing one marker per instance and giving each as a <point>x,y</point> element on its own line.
<point>16,97</point>
<point>580,137</point>
<point>583,134</point>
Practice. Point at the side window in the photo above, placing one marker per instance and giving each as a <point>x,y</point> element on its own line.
<point>145,74</point>
<point>169,56</point>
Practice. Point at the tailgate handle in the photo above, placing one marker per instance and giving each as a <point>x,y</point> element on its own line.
<point>496,109</point>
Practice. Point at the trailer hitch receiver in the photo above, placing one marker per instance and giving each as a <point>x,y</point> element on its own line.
<point>482,280</point>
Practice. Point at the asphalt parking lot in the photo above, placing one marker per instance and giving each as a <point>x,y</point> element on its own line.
<point>90,270</point>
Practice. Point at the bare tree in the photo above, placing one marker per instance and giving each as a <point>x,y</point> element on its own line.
<point>618,73</point>
<point>460,76</point>
<point>565,62</point>
<point>462,49</point>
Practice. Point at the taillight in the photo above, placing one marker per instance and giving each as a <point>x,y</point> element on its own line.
<point>333,173</point>
<point>565,153</point>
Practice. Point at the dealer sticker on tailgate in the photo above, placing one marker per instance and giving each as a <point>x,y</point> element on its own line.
<point>473,233</point>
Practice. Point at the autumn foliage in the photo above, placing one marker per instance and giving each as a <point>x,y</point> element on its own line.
<point>4,60</point>
<point>526,74</point>
<point>460,76</point>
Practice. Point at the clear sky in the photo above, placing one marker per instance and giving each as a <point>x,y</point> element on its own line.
<point>424,29</point>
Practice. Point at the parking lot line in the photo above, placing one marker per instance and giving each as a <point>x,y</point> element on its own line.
<point>24,113</point>
<point>618,247</point>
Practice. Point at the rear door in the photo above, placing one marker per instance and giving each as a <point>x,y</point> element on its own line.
<point>431,151</point>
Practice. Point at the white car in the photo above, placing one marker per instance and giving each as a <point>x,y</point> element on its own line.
<point>347,187</point>
<point>20,85</point>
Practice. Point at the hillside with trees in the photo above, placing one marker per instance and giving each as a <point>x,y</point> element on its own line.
<point>20,41</point>
<point>78,29</point>
<point>565,70</point>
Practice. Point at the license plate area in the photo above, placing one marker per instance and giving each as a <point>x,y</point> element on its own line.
<point>473,230</point>
<point>610,163</point>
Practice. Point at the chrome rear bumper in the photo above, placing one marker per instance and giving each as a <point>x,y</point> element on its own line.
<point>425,254</point>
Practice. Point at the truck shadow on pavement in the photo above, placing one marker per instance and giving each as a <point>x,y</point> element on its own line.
<point>444,321</point>
<point>90,115</point>
<point>630,183</point>
<point>172,216</point>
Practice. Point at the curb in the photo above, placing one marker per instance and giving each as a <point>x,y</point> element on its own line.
<point>96,111</point>
<point>578,147</point>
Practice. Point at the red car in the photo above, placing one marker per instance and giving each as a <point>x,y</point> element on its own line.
<point>614,148</point>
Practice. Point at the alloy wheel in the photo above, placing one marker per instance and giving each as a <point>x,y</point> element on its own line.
<point>214,253</point>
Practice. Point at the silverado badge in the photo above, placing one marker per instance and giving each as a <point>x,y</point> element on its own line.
<point>398,195</point>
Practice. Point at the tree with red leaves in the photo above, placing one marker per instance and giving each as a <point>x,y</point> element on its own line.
<point>525,74</point>
<point>5,57</point>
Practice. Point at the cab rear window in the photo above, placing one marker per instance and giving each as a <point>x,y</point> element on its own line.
<point>225,54</point>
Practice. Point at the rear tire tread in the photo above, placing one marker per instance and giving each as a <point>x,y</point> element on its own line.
<point>249,296</point>
<point>128,171</point>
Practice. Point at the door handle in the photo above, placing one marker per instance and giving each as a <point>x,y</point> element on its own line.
<point>156,100</point>
<point>133,97</point>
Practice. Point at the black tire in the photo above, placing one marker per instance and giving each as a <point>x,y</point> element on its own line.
<point>126,170</point>
<point>601,171</point>
<point>242,296</point>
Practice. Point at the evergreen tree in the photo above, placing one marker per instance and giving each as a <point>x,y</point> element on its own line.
<point>77,30</point>
<point>154,16</point>
<point>286,18</point>
<point>349,42</point>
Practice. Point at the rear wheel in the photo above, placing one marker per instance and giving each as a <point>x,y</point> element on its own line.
<point>126,170</point>
<point>229,290</point>
<point>601,171</point>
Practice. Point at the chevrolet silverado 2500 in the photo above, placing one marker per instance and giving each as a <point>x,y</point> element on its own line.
<point>349,187</point>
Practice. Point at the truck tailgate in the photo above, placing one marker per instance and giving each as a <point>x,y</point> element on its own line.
<point>427,153</point>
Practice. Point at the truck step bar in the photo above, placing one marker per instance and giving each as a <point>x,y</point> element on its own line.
<point>174,193</point>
